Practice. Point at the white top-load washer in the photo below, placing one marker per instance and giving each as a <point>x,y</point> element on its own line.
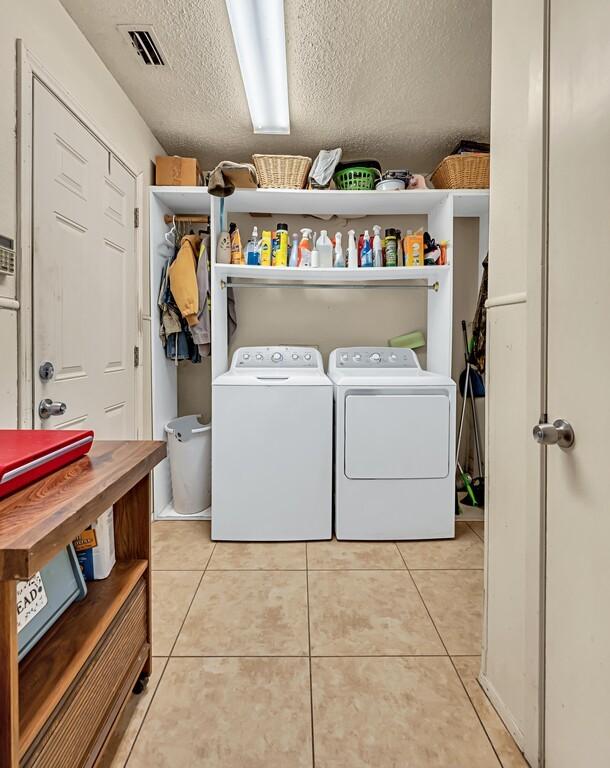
<point>394,446</point>
<point>272,446</point>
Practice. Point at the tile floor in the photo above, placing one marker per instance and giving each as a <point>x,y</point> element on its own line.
<point>327,654</point>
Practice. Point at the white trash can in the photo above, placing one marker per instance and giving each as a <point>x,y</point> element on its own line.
<point>189,448</point>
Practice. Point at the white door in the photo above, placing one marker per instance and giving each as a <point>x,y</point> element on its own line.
<point>84,277</point>
<point>577,707</point>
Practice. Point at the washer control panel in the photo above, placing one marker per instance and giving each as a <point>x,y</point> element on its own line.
<point>375,357</point>
<point>277,357</point>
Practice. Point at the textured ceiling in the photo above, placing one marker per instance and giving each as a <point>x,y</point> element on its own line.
<point>399,80</point>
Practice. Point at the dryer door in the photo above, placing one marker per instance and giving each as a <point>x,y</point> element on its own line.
<point>396,436</point>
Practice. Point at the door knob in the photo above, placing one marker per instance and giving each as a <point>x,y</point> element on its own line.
<point>48,408</point>
<point>559,433</point>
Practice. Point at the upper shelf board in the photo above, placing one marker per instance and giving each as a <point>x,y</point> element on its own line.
<point>466,202</point>
<point>194,200</point>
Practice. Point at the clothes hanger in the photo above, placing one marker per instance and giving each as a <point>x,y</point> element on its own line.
<point>170,237</point>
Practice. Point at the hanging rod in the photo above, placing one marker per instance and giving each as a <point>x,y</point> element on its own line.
<point>264,284</point>
<point>186,217</point>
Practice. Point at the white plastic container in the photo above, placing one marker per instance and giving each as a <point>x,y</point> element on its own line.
<point>325,249</point>
<point>189,448</point>
<point>95,548</point>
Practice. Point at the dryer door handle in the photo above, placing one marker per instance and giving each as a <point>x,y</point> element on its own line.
<point>273,378</point>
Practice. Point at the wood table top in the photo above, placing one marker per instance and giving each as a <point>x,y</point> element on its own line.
<point>39,520</point>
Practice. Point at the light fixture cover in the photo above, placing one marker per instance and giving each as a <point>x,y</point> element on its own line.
<point>260,42</point>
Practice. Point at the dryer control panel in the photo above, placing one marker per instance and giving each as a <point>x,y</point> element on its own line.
<point>374,357</point>
<point>277,357</point>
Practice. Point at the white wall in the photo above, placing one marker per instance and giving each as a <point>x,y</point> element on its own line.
<point>50,34</point>
<point>331,318</point>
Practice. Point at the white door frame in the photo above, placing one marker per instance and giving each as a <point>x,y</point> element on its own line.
<point>537,235</point>
<point>28,68</point>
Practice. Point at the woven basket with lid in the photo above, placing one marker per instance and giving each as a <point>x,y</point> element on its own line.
<point>282,171</point>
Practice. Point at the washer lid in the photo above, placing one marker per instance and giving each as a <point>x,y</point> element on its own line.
<point>396,437</point>
<point>249,377</point>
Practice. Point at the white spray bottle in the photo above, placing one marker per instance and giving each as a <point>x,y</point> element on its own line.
<point>294,253</point>
<point>377,247</point>
<point>352,250</point>
<point>339,257</point>
<point>315,254</point>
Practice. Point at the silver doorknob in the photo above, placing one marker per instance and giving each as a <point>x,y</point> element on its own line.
<point>559,433</point>
<point>48,408</point>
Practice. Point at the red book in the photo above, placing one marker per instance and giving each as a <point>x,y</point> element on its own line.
<point>26,455</point>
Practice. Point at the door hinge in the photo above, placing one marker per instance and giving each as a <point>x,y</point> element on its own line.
<point>136,357</point>
<point>136,218</point>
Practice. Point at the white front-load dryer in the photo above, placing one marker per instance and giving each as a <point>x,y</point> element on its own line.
<point>272,447</point>
<point>394,446</point>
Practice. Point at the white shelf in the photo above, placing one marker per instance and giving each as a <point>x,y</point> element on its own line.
<point>334,275</point>
<point>192,200</point>
<point>467,202</point>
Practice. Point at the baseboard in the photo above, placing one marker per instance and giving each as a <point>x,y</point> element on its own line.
<point>502,711</point>
<point>169,513</point>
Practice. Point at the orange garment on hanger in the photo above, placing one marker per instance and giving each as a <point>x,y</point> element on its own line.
<point>183,278</point>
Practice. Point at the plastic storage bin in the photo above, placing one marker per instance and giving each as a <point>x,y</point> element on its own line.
<point>189,448</point>
<point>43,599</point>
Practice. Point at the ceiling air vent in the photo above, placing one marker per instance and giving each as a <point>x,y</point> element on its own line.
<point>145,42</point>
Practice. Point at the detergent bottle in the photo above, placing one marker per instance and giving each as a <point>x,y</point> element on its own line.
<point>377,247</point>
<point>339,257</point>
<point>280,254</point>
<point>252,249</point>
<point>266,248</point>
<point>305,248</point>
<point>325,249</point>
<point>352,250</point>
<point>366,255</point>
<point>294,251</point>
<point>315,255</point>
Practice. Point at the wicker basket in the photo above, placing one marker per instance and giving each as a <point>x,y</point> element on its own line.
<point>282,171</point>
<point>468,171</point>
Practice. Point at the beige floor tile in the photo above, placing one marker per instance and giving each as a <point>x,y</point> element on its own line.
<point>362,613</point>
<point>479,528</point>
<point>172,592</point>
<point>345,555</point>
<point>465,551</point>
<point>455,602</point>
<point>395,713</point>
<point>124,736</point>
<point>228,713</point>
<point>247,613</point>
<point>181,545</point>
<point>510,756</point>
<point>265,556</point>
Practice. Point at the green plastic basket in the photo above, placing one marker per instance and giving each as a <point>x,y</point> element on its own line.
<point>356,178</point>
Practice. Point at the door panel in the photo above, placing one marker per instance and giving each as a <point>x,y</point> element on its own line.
<point>85,277</point>
<point>396,436</point>
<point>578,513</point>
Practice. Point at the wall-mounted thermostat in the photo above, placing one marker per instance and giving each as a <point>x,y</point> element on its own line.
<point>7,256</point>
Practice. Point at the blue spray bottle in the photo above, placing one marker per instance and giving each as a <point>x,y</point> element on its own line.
<point>366,257</point>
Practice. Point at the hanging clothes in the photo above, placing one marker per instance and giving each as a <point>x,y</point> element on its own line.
<point>174,330</point>
<point>480,320</point>
<point>182,274</point>
<point>201,330</point>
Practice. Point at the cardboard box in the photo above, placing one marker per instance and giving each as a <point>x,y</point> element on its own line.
<point>174,171</point>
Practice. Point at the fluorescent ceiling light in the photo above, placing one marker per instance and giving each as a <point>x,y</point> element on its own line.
<point>260,41</point>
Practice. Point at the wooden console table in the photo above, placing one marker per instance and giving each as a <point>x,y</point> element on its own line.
<point>60,704</point>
